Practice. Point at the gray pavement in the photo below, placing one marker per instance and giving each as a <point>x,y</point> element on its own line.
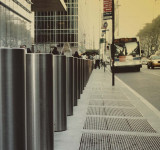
<point>110,118</point>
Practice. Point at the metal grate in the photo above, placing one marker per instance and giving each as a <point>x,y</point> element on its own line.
<point>96,88</point>
<point>115,97</point>
<point>95,111</point>
<point>96,96</point>
<point>96,102</point>
<point>118,124</point>
<point>118,103</point>
<point>110,111</point>
<point>100,141</point>
<point>110,103</point>
<point>100,88</point>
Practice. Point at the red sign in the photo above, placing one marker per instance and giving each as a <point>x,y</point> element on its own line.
<point>107,6</point>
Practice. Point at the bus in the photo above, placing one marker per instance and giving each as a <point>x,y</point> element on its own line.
<point>127,55</point>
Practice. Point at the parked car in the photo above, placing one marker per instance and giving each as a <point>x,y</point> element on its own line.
<point>144,60</point>
<point>154,61</point>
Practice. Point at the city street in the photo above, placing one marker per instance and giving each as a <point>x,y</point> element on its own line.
<point>146,83</point>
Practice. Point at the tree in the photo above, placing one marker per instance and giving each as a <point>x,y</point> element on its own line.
<point>150,37</point>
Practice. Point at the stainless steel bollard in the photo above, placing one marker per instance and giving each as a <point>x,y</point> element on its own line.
<point>79,78</point>
<point>85,72</point>
<point>89,67</point>
<point>39,100</point>
<point>82,74</point>
<point>69,86</point>
<point>88,70</point>
<point>12,99</point>
<point>59,92</point>
<point>75,81</point>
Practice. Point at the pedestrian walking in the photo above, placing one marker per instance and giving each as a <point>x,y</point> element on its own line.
<point>29,50</point>
<point>55,51</point>
<point>97,61</point>
<point>24,47</point>
<point>66,50</point>
<point>76,54</point>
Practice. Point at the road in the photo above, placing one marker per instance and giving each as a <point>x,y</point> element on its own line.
<point>146,83</point>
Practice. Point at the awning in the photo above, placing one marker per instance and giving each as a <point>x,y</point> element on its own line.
<point>48,5</point>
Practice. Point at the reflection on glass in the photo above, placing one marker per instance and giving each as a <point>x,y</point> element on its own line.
<point>132,48</point>
<point>125,49</point>
<point>14,30</point>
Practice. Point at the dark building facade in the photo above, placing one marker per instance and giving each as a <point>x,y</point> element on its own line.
<point>57,27</point>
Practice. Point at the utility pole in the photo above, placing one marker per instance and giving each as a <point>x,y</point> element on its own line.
<point>112,48</point>
<point>117,17</point>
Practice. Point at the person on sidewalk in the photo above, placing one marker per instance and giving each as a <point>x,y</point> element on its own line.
<point>29,50</point>
<point>76,54</point>
<point>84,56</point>
<point>24,47</point>
<point>55,51</point>
<point>97,61</point>
<point>66,50</point>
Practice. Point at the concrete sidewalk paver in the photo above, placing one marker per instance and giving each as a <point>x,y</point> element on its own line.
<point>110,118</point>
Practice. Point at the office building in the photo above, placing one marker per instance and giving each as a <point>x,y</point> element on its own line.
<point>57,27</point>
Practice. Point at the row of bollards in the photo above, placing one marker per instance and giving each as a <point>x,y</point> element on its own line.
<point>37,93</point>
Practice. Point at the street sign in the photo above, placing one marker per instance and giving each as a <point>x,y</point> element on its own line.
<point>107,17</point>
<point>107,7</point>
<point>107,14</point>
<point>102,40</point>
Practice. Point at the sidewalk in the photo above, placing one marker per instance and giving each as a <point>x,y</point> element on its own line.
<point>110,118</point>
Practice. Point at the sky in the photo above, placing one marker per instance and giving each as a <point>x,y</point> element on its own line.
<point>132,16</point>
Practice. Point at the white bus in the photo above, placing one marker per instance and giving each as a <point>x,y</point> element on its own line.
<point>127,55</point>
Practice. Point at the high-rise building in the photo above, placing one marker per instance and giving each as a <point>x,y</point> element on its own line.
<point>15,23</point>
<point>54,28</point>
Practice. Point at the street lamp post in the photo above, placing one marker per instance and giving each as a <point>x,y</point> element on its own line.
<point>105,27</point>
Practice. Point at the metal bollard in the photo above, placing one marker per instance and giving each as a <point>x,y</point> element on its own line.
<point>12,99</point>
<point>39,100</point>
<point>87,69</point>
<point>79,78</point>
<point>75,81</point>
<point>80,75</point>
<point>85,72</point>
<point>69,86</point>
<point>59,92</point>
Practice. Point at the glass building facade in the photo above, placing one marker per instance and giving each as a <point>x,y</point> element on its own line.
<point>15,23</point>
<point>55,28</point>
